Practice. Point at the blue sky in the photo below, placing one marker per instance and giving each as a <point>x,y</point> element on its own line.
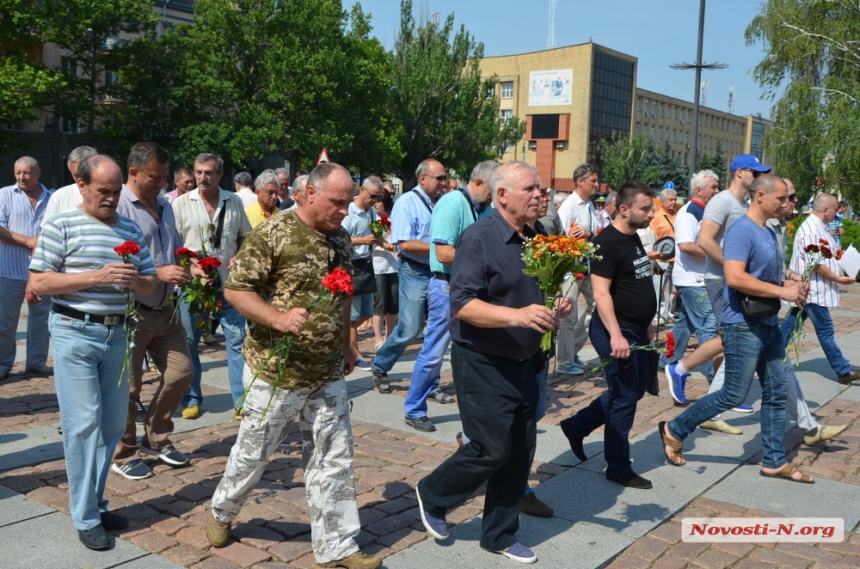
<point>657,32</point>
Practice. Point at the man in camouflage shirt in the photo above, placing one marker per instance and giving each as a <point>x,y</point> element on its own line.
<point>278,273</point>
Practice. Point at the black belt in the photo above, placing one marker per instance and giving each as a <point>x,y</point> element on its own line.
<point>142,306</point>
<point>417,263</point>
<point>107,320</point>
<point>442,276</point>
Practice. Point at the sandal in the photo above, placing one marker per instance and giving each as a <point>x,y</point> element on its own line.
<point>787,472</point>
<point>676,446</point>
<point>440,397</point>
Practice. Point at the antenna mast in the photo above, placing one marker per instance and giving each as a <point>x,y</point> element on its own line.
<point>550,39</point>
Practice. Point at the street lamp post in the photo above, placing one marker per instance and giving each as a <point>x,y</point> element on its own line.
<point>698,66</point>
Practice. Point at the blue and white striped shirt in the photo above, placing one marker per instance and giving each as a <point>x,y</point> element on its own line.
<point>73,242</point>
<point>18,216</point>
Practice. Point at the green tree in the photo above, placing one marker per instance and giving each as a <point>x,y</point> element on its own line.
<point>811,69</point>
<point>628,158</point>
<point>671,169</point>
<point>441,100</point>
<point>717,163</point>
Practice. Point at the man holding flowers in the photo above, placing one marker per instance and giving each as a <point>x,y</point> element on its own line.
<point>815,256</point>
<point>76,262</point>
<point>159,331</point>
<point>625,306</point>
<point>277,276</point>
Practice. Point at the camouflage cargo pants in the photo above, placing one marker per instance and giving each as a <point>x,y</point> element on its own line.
<point>327,452</point>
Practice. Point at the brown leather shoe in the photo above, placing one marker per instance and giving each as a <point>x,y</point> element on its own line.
<point>218,533</point>
<point>849,377</point>
<point>357,560</point>
<point>534,507</point>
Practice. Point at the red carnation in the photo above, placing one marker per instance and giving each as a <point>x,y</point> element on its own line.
<point>383,219</point>
<point>338,281</point>
<point>823,241</point>
<point>127,249</point>
<point>209,263</point>
<point>185,252</point>
<point>220,304</point>
<point>811,249</point>
<point>579,276</point>
<point>838,254</point>
<point>670,345</point>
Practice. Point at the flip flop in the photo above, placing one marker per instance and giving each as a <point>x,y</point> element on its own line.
<point>786,472</point>
<point>676,446</point>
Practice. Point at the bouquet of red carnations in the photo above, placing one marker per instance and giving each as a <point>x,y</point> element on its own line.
<point>125,251</point>
<point>380,226</point>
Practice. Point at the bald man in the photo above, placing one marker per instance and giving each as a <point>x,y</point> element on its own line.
<point>824,284</point>
<point>22,207</point>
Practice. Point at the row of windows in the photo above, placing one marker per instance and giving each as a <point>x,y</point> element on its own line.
<point>611,101</point>
<point>659,109</point>
<point>507,90</point>
<point>660,134</point>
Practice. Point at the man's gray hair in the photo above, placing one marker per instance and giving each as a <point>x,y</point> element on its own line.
<point>559,198</point>
<point>79,153</point>
<point>610,198</point>
<point>209,157</point>
<point>90,164</point>
<point>584,171</point>
<point>243,179</point>
<point>484,171</point>
<point>29,161</point>
<point>300,183</point>
<point>285,172</point>
<point>667,193</point>
<point>321,173</point>
<point>502,176</point>
<point>700,179</point>
<point>265,179</point>
<point>372,182</point>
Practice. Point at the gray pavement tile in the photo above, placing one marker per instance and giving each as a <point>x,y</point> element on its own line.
<point>583,496</point>
<point>216,410</point>
<point>58,540</point>
<point>31,446</point>
<point>825,498</point>
<point>851,394</point>
<point>15,507</point>
<point>553,446</point>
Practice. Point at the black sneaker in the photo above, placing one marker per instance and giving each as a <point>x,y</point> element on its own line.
<point>111,521</point>
<point>168,454</point>
<point>96,538</point>
<point>133,470</point>
<point>140,419</point>
<point>380,380</point>
<point>422,424</point>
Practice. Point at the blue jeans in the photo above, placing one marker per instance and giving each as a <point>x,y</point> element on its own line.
<point>414,281</point>
<point>749,348</point>
<point>616,407</point>
<point>824,329</point>
<point>428,364</point>
<point>696,316</point>
<point>12,293</point>
<point>233,325</point>
<point>88,360</point>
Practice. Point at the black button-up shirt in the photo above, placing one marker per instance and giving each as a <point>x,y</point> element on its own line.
<point>488,266</point>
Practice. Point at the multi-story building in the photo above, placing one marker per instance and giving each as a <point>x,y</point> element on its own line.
<point>574,97</point>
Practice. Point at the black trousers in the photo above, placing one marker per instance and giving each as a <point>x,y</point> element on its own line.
<point>497,399</point>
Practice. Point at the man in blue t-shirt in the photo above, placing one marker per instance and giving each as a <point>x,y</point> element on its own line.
<point>753,266</point>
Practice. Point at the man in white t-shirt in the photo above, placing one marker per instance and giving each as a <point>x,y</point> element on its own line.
<point>579,219</point>
<point>69,196</point>
<point>244,184</point>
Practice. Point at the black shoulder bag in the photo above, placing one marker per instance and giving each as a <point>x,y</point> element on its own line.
<point>760,306</point>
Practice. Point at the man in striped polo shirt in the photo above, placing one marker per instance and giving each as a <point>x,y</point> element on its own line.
<point>824,284</point>
<point>22,206</point>
<point>75,262</point>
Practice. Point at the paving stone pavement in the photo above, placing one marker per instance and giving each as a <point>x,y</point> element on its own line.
<point>597,523</point>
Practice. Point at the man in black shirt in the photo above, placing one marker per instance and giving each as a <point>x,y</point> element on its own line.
<point>498,318</point>
<point>625,306</point>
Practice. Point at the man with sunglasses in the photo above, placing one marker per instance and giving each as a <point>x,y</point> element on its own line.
<point>212,219</point>
<point>357,224</point>
<point>410,232</point>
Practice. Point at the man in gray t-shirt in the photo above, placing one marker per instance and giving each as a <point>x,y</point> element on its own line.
<point>723,210</point>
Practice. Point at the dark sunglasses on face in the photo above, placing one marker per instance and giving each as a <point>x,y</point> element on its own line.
<point>441,178</point>
<point>792,198</point>
<point>375,197</point>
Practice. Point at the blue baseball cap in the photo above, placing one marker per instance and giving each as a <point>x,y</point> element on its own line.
<point>669,186</point>
<point>748,162</point>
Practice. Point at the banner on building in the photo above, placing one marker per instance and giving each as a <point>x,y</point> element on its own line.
<point>551,87</point>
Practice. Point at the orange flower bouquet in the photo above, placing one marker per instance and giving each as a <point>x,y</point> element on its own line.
<point>549,258</point>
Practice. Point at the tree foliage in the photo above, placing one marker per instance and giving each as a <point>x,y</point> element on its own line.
<point>636,158</point>
<point>440,99</point>
<point>811,51</point>
<point>717,163</point>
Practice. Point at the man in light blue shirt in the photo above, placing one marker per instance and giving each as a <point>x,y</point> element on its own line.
<point>22,206</point>
<point>410,232</point>
<point>454,212</point>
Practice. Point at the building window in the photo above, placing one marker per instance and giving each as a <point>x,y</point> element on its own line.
<point>507,114</point>
<point>660,134</point>
<point>70,125</point>
<point>491,92</point>
<point>612,101</point>
<point>660,110</point>
<point>646,106</point>
<point>638,105</point>
<point>638,129</point>
<point>507,89</point>
<point>69,66</point>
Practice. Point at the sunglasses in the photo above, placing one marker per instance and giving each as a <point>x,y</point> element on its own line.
<point>375,197</point>
<point>792,198</point>
<point>754,172</point>
<point>211,229</point>
<point>441,178</point>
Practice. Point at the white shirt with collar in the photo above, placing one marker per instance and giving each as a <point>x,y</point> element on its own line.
<point>248,196</point>
<point>822,291</point>
<point>579,211</point>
